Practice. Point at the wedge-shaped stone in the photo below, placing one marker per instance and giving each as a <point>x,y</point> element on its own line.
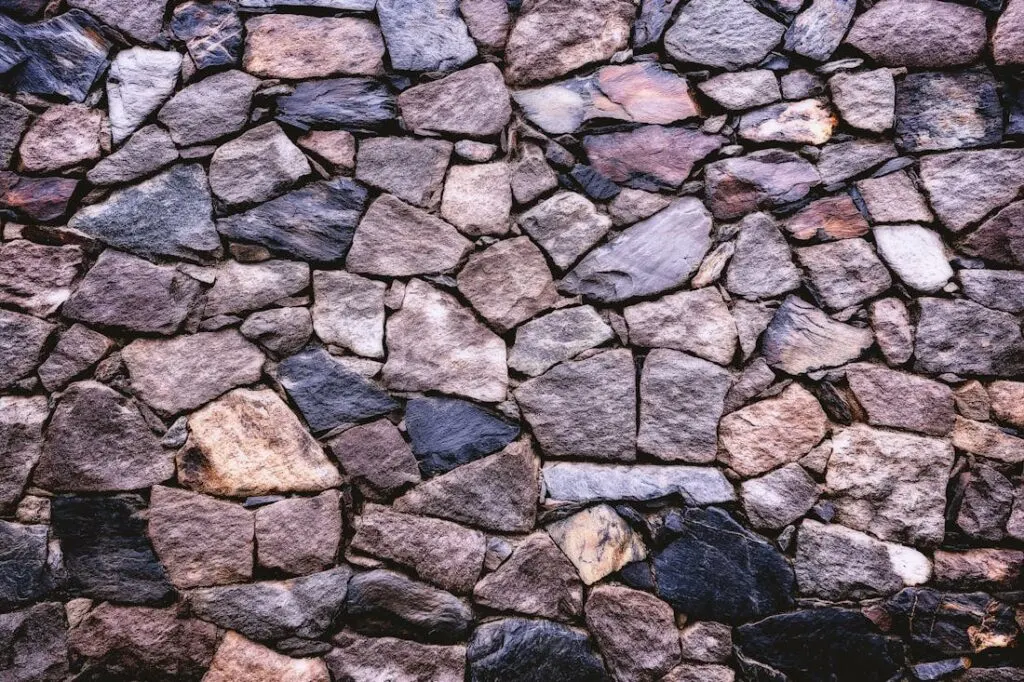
<point>597,541</point>
<point>589,482</point>
<point>697,322</point>
<point>762,264</point>
<point>778,498</point>
<point>296,46</point>
<point>802,338</point>
<point>555,337</point>
<point>250,443</point>
<point>241,287</point>
<point>141,20</point>
<point>22,342</point>
<point>258,165</point>
<point>496,493</point>
<point>376,458</point>
<point>472,102</point>
<point>447,432</point>
<point>999,239</point>
<point>299,535</point>
<point>139,82</point>
<point>147,151</point>
<point>963,337</point>
<point>410,168</point>
<point>21,439</point>
<point>817,31</point>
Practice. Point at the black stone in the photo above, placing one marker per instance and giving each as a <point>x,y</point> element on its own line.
<point>107,553</point>
<point>212,32</point>
<point>33,645</point>
<point>25,9</point>
<point>716,570</point>
<point>593,183</point>
<point>61,56</point>
<point>327,393</point>
<point>385,603</point>
<point>1013,100</point>
<point>820,645</point>
<point>532,651</point>
<point>315,223</point>
<point>337,102</point>
<point>22,564</point>
<point>941,624</point>
<point>447,433</point>
<point>938,110</point>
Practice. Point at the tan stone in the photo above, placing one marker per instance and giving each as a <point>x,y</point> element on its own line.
<point>982,568</point>
<point>597,541</point>
<point>296,46</point>
<point>477,199</point>
<point>987,440</point>
<point>238,659</point>
<point>336,147</point>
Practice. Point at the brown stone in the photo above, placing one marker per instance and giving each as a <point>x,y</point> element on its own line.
<point>488,21</point>
<point>834,217</point>
<point>987,440</point>
<point>376,459</point>
<point>61,137</point>
<point>972,400</point>
<point>979,569</point>
<point>241,287</point>
<point>299,535</point>
<point>295,46</point>
<point>762,264</point>
<point>336,147</point>
<point>38,199</point>
<point>472,102</point>
<point>901,400</point>
<point>238,658</point>
<point>348,311</point>
<point>478,199</point>
<point>650,157</point>
<point>1008,402</point>
<point>1008,38</point>
<point>635,631</point>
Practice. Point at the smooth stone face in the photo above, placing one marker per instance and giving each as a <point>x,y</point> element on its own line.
<point>947,110</point>
<point>212,32</point>
<point>532,651</point>
<point>999,238</point>
<point>894,198</point>
<point>36,643</point>
<point>21,438</point>
<point>890,484</point>
<point>14,119</point>
<point>497,493</point>
<point>681,401</point>
<point>382,602</point>
<point>299,535</point>
<point>107,554</point>
<point>865,100</point>
<point>145,152</point>
<point>634,630</point>
<point>35,278</point>
<point>268,610</point>
<point>762,264</point>
<point>717,570</point>
<point>565,225</point>
<point>239,658</point>
<point>362,659</point>
<point>22,340</point>
<point>436,344</point>
<point>478,199</point>
<point>179,374</point>
<point>762,179</point>
<point>843,273</point>
<point>915,254</point>
<point>447,433</point>
<point>597,541</point>
<point>257,165</point>
<point>425,36</point>
<point>537,580</point>
<point>209,109</point>
<point>920,33</point>
<point>376,458</point>
<point>589,482</point>
<point>996,289</point>
<point>410,168</point>
<point>169,214</point>
<point>657,254</point>
<point>825,643</point>
<point>441,552</point>
<point>900,400</point>
<point>729,34</point>
<point>200,540</point>
<point>835,563</point>
<point>241,287</point>
<point>395,239</point>
<point>140,20</point>
<point>125,293</point>
<point>808,121</point>
<point>295,47</point>
<point>555,337</point>
<point>315,223</point>
<point>964,187</point>
<point>817,31</point>
<point>250,443</point>
<point>472,102</point>
<point>139,82</point>
<point>508,283</point>
<point>97,440</point>
<point>963,337</point>
<point>778,498</point>
<point>348,311</point>
<point>697,322</point>
<point>802,338</point>
<point>585,408</point>
<point>62,136</point>
<point>771,432</point>
<point>344,102</point>
<point>23,553</point>
<point>550,39</point>
<point>742,89</point>
<point>650,157</point>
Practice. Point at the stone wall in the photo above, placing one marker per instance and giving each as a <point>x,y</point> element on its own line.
<point>526,341</point>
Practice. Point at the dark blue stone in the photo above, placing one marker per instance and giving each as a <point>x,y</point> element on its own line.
<point>212,32</point>
<point>532,651</point>
<point>447,433</point>
<point>337,102</point>
<point>22,563</point>
<point>327,393</point>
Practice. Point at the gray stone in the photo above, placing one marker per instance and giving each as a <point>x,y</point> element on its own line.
<point>996,289</point>
<point>778,498</point>
<point>802,338</point>
<point>139,82</point>
<point>478,199</point>
<point>585,408</point>
<point>376,459</point>
<point>635,631</point>
<point>242,287</point>
<point>565,225</point>
<point>279,331</point>
<point>145,152</point>
<point>843,273</point>
<point>35,278</point>
<point>425,36</point>
<point>77,351</point>
<point>21,440</point>
<point>382,602</point>
<point>963,337</point>
<point>915,254</point>
<point>894,198</point>
<point>865,100</point>
<point>754,380</point>
<point>751,321</point>
<point>299,535</point>
<point>706,641</point>
<point>259,164</point>
<point>985,503</point>
<point>841,161</point>
<point>348,311</point>
<point>209,109</point>
<point>964,187</point>
<point>447,433</point>
<point>902,400</point>
<point>472,102</point>
<point>817,31</point>
<point>125,293</point>
<point>410,168</point>
<point>398,240</point>
<point>22,340</point>
<point>24,556</point>
<point>650,24</point>
<point>98,440</point>
<point>681,401</point>
<point>15,119</point>
<point>762,179</point>
<point>762,264</point>
<point>337,102</point>
<point>295,46</point>
<point>531,177</point>
<point>729,34</point>
<point>366,659</point>
<point>591,482</point>
<point>141,21</point>
<point>555,337</point>
<point>697,322</point>
<point>169,214</point>
<point>920,33</point>
<point>947,110</point>
<point>652,256</point>
<point>742,89</point>
<point>35,644</point>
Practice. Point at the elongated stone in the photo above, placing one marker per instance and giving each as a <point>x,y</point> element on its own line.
<point>650,157</point>
<point>999,238</point>
<point>742,89</point>
<point>239,658</point>
<point>362,658</point>
<point>337,102</point>
<point>296,46</point>
<point>592,482</point>
<point>902,400</point>
<point>22,340</point>
<point>963,337</point>
<point>21,439</point>
<point>807,121</point>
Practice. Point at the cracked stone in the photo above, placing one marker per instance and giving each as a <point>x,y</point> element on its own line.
<point>817,31</point>
<point>597,541</point>
<point>843,273</point>
<point>211,31</point>
<point>566,225</point>
<point>802,338</point>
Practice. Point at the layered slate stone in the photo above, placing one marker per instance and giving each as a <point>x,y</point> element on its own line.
<point>728,35</point>
<point>565,225</point>
<point>498,492</point>
<point>212,32</point>
<point>239,658</point>
<point>987,440</point>
<point>383,602</point>
<point>902,400</point>
<point>931,106</point>
<point>802,338</point>
<point>139,82</point>
<point>376,459</point>
<point>169,214</point>
<point>425,37</point>
<point>828,219</point>
<point>314,223</point>
<point>299,535</point>
<point>259,164</point>
<point>436,344</point>
<point>560,335</point>
<point>714,569</point>
<point>920,33</point>
<point>890,484</point>
<point>963,337</point>
<point>472,102</point>
<point>549,39</point>
<point>447,433</point>
<point>21,438</point>
<point>841,161</point>
<point>634,630</point>
<point>697,322</point>
<point>36,278</point>
<point>209,109</point>
<point>951,624</point>
<point>585,408</point>
<point>533,651</point>
<point>964,187</point>
<point>655,255</point>
<point>762,264</point>
<point>97,440</point>
<point>249,443</point>
<point>22,340</point>
<point>282,46</point>
<point>346,102</point>
<point>760,180</point>
<point>409,168</point>
<point>327,393</point>
<point>591,482</point>
<point>107,554</point>
<point>650,157</point>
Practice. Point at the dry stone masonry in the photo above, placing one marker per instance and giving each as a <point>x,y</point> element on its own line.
<point>511,340</point>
